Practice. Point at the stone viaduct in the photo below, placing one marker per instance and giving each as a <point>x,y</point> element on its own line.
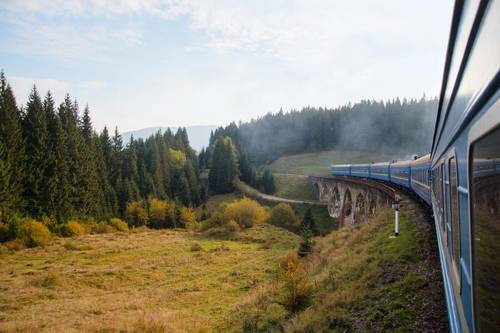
<point>351,199</point>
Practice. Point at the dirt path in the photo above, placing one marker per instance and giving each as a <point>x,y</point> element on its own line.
<point>248,190</point>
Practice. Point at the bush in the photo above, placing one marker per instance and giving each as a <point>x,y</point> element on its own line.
<point>187,218</point>
<point>103,228</point>
<point>73,228</point>
<point>34,233</point>
<point>296,287</point>
<point>232,226</point>
<point>282,215</point>
<point>157,213</point>
<point>119,224</point>
<point>245,212</point>
<point>136,214</point>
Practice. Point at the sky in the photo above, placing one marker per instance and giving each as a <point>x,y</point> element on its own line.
<point>145,63</point>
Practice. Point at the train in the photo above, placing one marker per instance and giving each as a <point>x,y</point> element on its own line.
<point>460,178</point>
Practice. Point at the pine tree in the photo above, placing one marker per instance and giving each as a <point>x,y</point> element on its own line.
<point>268,182</point>
<point>36,138</point>
<point>5,184</point>
<point>57,172</point>
<point>308,222</point>
<point>11,137</point>
<point>224,166</point>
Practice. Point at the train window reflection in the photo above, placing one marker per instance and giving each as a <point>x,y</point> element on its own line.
<point>485,198</point>
<point>455,222</point>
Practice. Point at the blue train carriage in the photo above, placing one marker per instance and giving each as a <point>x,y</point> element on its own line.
<point>400,173</point>
<point>420,177</point>
<point>465,182</point>
<point>380,171</point>
<point>340,169</point>
<point>360,170</point>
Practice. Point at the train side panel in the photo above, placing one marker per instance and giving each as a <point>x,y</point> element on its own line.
<point>420,177</point>
<point>400,173</point>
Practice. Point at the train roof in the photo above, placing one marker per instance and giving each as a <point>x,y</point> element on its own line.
<point>422,160</point>
<point>401,163</point>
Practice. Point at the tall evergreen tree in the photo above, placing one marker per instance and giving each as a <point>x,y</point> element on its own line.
<point>11,137</point>
<point>36,138</point>
<point>224,166</point>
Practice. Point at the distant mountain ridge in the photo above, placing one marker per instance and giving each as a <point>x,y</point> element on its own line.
<point>199,135</point>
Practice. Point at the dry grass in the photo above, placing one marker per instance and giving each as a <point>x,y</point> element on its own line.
<point>150,281</point>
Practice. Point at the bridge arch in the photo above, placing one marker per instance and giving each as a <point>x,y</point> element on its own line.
<point>347,204</point>
<point>373,207</point>
<point>359,208</point>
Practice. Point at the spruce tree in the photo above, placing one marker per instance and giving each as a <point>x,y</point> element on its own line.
<point>36,138</point>
<point>11,137</point>
<point>224,166</point>
<point>308,222</point>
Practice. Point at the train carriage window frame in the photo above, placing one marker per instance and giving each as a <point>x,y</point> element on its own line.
<point>488,124</point>
<point>454,217</point>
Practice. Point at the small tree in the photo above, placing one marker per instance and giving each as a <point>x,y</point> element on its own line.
<point>187,217</point>
<point>308,222</point>
<point>306,245</point>
<point>245,212</point>
<point>136,214</point>
<point>157,213</point>
<point>296,286</point>
<point>282,215</point>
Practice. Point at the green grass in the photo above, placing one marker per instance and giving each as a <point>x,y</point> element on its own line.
<point>365,281</point>
<point>319,162</point>
<point>136,281</point>
<point>293,187</point>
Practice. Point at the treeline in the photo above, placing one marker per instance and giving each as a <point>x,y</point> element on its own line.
<point>226,163</point>
<point>392,127</point>
<point>54,164</point>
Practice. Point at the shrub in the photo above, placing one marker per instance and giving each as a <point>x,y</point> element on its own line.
<point>245,212</point>
<point>232,226</point>
<point>282,215</point>
<point>157,213</point>
<point>136,214</point>
<point>72,228</point>
<point>34,233</point>
<point>119,224</point>
<point>49,223</point>
<point>296,287</point>
<point>187,218</point>
<point>103,228</point>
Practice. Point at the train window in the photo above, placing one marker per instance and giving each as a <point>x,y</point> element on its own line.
<point>442,197</point>
<point>455,219</point>
<point>485,199</point>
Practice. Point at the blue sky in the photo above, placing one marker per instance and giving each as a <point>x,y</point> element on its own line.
<point>178,63</point>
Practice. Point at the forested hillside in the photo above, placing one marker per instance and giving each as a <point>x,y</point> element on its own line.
<point>381,127</point>
<point>54,164</point>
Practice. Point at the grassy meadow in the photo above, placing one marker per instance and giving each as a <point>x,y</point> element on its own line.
<point>151,281</point>
<point>319,162</point>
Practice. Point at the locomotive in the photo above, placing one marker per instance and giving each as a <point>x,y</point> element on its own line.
<point>460,177</point>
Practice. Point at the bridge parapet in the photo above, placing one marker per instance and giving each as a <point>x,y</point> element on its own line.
<point>352,199</point>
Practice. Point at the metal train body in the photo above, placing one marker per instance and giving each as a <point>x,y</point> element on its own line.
<point>460,179</point>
